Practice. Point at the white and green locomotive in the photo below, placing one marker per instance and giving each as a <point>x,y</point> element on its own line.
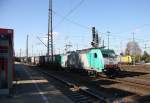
<point>88,59</point>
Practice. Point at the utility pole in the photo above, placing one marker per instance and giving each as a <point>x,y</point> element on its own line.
<point>27,48</point>
<point>20,52</point>
<point>145,46</point>
<point>108,34</point>
<point>121,51</point>
<point>51,34</point>
<point>133,37</point>
<point>50,30</point>
<point>103,43</point>
<point>32,50</point>
<point>134,53</point>
<point>77,47</point>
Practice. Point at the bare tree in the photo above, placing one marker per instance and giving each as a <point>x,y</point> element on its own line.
<point>133,49</point>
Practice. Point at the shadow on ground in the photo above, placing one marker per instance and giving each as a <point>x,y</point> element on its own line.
<point>123,74</point>
<point>143,99</point>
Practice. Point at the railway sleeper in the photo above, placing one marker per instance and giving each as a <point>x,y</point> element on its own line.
<point>81,96</point>
<point>84,101</point>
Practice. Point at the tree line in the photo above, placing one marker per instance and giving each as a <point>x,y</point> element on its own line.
<point>135,52</point>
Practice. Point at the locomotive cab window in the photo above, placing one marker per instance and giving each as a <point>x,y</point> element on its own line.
<point>95,55</point>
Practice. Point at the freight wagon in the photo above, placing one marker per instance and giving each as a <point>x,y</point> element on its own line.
<point>6,61</point>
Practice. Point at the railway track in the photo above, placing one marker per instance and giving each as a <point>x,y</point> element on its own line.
<point>147,85</point>
<point>86,95</point>
<point>131,85</point>
<point>79,94</point>
<point>137,80</point>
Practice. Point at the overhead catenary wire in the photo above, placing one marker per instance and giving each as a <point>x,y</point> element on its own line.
<point>41,41</point>
<point>71,21</point>
<point>112,35</point>
<point>77,6</point>
<point>131,29</point>
<point>70,12</point>
<point>89,28</point>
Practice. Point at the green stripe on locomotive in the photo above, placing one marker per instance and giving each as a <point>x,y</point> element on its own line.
<point>58,58</point>
<point>95,59</point>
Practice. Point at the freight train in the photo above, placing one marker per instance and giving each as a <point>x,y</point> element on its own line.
<point>95,60</point>
<point>90,60</point>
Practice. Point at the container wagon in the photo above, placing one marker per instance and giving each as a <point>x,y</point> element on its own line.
<point>6,61</point>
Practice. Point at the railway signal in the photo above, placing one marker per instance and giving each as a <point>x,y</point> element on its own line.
<point>95,38</point>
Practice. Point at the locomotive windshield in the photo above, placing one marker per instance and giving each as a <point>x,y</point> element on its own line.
<point>111,55</point>
<point>108,53</point>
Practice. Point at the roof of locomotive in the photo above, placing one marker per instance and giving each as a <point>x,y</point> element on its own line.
<point>81,51</point>
<point>87,50</point>
<point>107,51</point>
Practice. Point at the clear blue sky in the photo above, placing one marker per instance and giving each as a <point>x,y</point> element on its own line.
<point>120,17</point>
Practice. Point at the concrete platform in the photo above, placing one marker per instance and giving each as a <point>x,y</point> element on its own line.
<point>32,87</point>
